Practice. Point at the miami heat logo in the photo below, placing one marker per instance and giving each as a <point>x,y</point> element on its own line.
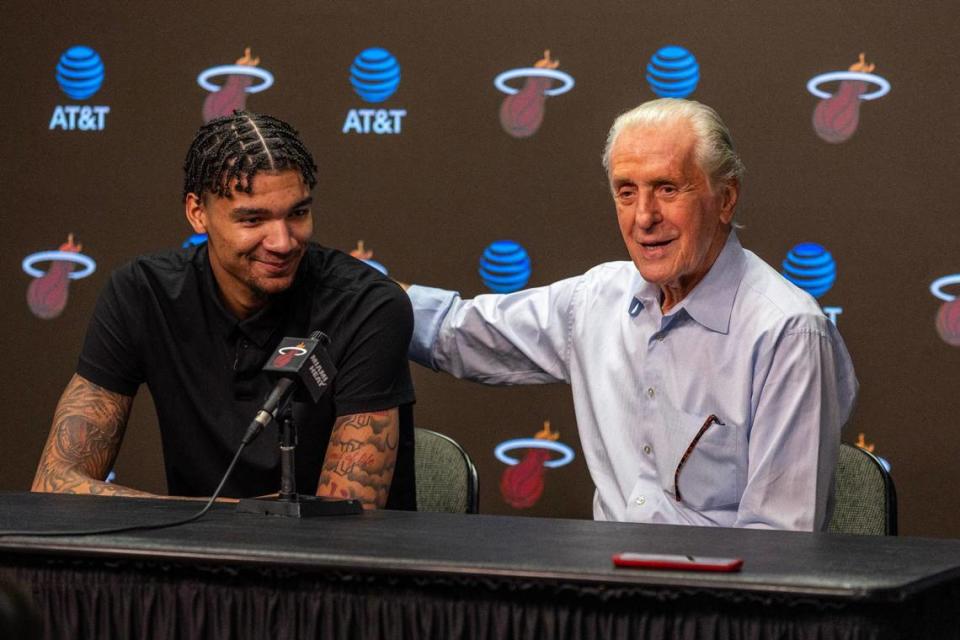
<point>521,112</point>
<point>47,294</point>
<point>837,115</point>
<point>868,447</point>
<point>223,100</point>
<point>366,255</point>
<point>948,316</point>
<point>286,354</point>
<point>521,484</point>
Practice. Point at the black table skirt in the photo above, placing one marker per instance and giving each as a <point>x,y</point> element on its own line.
<point>552,581</point>
<point>93,599</point>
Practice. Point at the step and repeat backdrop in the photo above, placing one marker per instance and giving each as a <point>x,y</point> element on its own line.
<point>459,146</point>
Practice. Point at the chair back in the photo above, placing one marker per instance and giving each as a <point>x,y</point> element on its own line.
<point>865,499</point>
<point>446,476</point>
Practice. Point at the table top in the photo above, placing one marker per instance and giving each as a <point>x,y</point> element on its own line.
<point>859,568</point>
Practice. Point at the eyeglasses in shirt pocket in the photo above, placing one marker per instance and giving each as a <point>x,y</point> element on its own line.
<point>710,476</point>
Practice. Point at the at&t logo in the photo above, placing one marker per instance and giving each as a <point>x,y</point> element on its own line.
<point>505,266</point>
<point>375,76</point>
<point>80,75</point>
<point>673,72</point>
<point>811,267</point>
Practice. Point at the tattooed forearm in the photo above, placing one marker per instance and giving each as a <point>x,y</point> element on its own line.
<point>361,458</point>
<point>84,441</point>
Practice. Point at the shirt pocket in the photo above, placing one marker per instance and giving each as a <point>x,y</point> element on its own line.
<point>711,475</point>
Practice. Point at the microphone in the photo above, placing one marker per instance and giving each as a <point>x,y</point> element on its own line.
<point>300,363</point>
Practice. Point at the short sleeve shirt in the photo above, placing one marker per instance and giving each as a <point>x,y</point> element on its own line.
<point>159,321</point>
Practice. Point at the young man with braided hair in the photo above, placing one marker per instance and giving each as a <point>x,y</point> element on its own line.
<point>197,325</point>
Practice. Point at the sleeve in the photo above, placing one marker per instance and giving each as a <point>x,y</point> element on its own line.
<point>110,355</point>
<point>806,397</point>
<point>430,307</point>
<point>501,339</point>
<point>373,373</point>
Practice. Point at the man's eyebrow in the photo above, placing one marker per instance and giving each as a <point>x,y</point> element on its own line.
<point>621,182</point>
<point>303,203</point>
<point>239,212</point>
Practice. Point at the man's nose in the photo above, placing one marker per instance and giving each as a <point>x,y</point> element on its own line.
<point>278,238</point>
<point>647,212</point>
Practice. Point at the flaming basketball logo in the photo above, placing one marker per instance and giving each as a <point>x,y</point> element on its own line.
<point>521,112</point>
<point>47,294</point>
<point>948,315</point>
<point>360,252</point>
<point>837,115</point>
<point>521,484</point>
<point>222,101</point>
<point>948,322</point>
<point>286,354</point>
<point>869,448</point>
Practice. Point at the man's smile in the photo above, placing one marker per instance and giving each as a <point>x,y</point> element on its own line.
<point>655,249</point>
<point>275,267</point>
<point>658,243</point>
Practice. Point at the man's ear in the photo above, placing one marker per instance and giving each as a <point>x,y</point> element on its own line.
<point>196,213</point>
<point>729,194</point>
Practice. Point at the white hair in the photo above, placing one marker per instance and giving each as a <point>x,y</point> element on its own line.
<point>715,152</point>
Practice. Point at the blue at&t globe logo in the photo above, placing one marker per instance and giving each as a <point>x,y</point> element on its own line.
<point>504,266</point>
<point>673,72</point>
<point>375,74</point>
<point>80,72</point>
<point>810,267</point>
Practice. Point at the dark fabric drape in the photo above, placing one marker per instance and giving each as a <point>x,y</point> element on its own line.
<point>86,599</point>
<point>19,617</point>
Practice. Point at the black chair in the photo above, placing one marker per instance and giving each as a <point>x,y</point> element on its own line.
<point>446,476</point>
<point>865,497</point>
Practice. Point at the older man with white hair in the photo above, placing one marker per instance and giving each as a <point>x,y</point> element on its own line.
<point>708,389</point>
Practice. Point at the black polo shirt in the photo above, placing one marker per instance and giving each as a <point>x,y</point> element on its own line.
<point>159,320</point>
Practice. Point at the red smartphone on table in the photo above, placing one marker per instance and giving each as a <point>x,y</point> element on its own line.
<point>676,562</point>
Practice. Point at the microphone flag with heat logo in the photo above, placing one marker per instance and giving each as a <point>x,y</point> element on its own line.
<point>306,360</point>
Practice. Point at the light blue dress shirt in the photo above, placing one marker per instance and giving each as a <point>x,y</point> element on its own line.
<point>745,345</point>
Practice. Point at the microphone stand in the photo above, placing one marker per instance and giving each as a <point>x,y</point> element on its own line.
<point>288,502</point>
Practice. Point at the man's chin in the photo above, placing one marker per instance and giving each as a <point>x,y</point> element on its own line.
<point>652,273</point>
<point>267,287</point>
<point>649,269</point>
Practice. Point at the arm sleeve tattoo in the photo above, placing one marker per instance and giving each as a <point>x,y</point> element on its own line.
<point>361,458</point>
<point>84,441</point>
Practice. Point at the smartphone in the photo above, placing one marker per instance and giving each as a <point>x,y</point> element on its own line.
<point>676,562</point>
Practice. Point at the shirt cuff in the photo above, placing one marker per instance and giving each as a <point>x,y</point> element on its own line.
<point>430,307</point>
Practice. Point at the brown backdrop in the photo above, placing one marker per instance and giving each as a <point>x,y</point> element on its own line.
<point>428,200</point>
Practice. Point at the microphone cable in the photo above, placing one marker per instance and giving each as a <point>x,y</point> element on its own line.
<point>141,527</point>
<point>280,397</point>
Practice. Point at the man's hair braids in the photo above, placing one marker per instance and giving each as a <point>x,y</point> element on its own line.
<point>228,152</point>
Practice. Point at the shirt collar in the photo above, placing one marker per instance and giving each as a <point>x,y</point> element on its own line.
<point>711,301</point>
<point>261,326</point>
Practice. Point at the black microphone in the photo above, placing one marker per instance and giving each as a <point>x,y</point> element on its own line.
<point>304,365</point>
<point>300,363</point>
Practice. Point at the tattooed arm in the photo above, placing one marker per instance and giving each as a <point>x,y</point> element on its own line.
<point>84,441</point>
<point>361,457</point>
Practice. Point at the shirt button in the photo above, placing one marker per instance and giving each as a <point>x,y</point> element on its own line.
<point>651,392</point>
<point>647,449</point>
<point>641,501</point>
